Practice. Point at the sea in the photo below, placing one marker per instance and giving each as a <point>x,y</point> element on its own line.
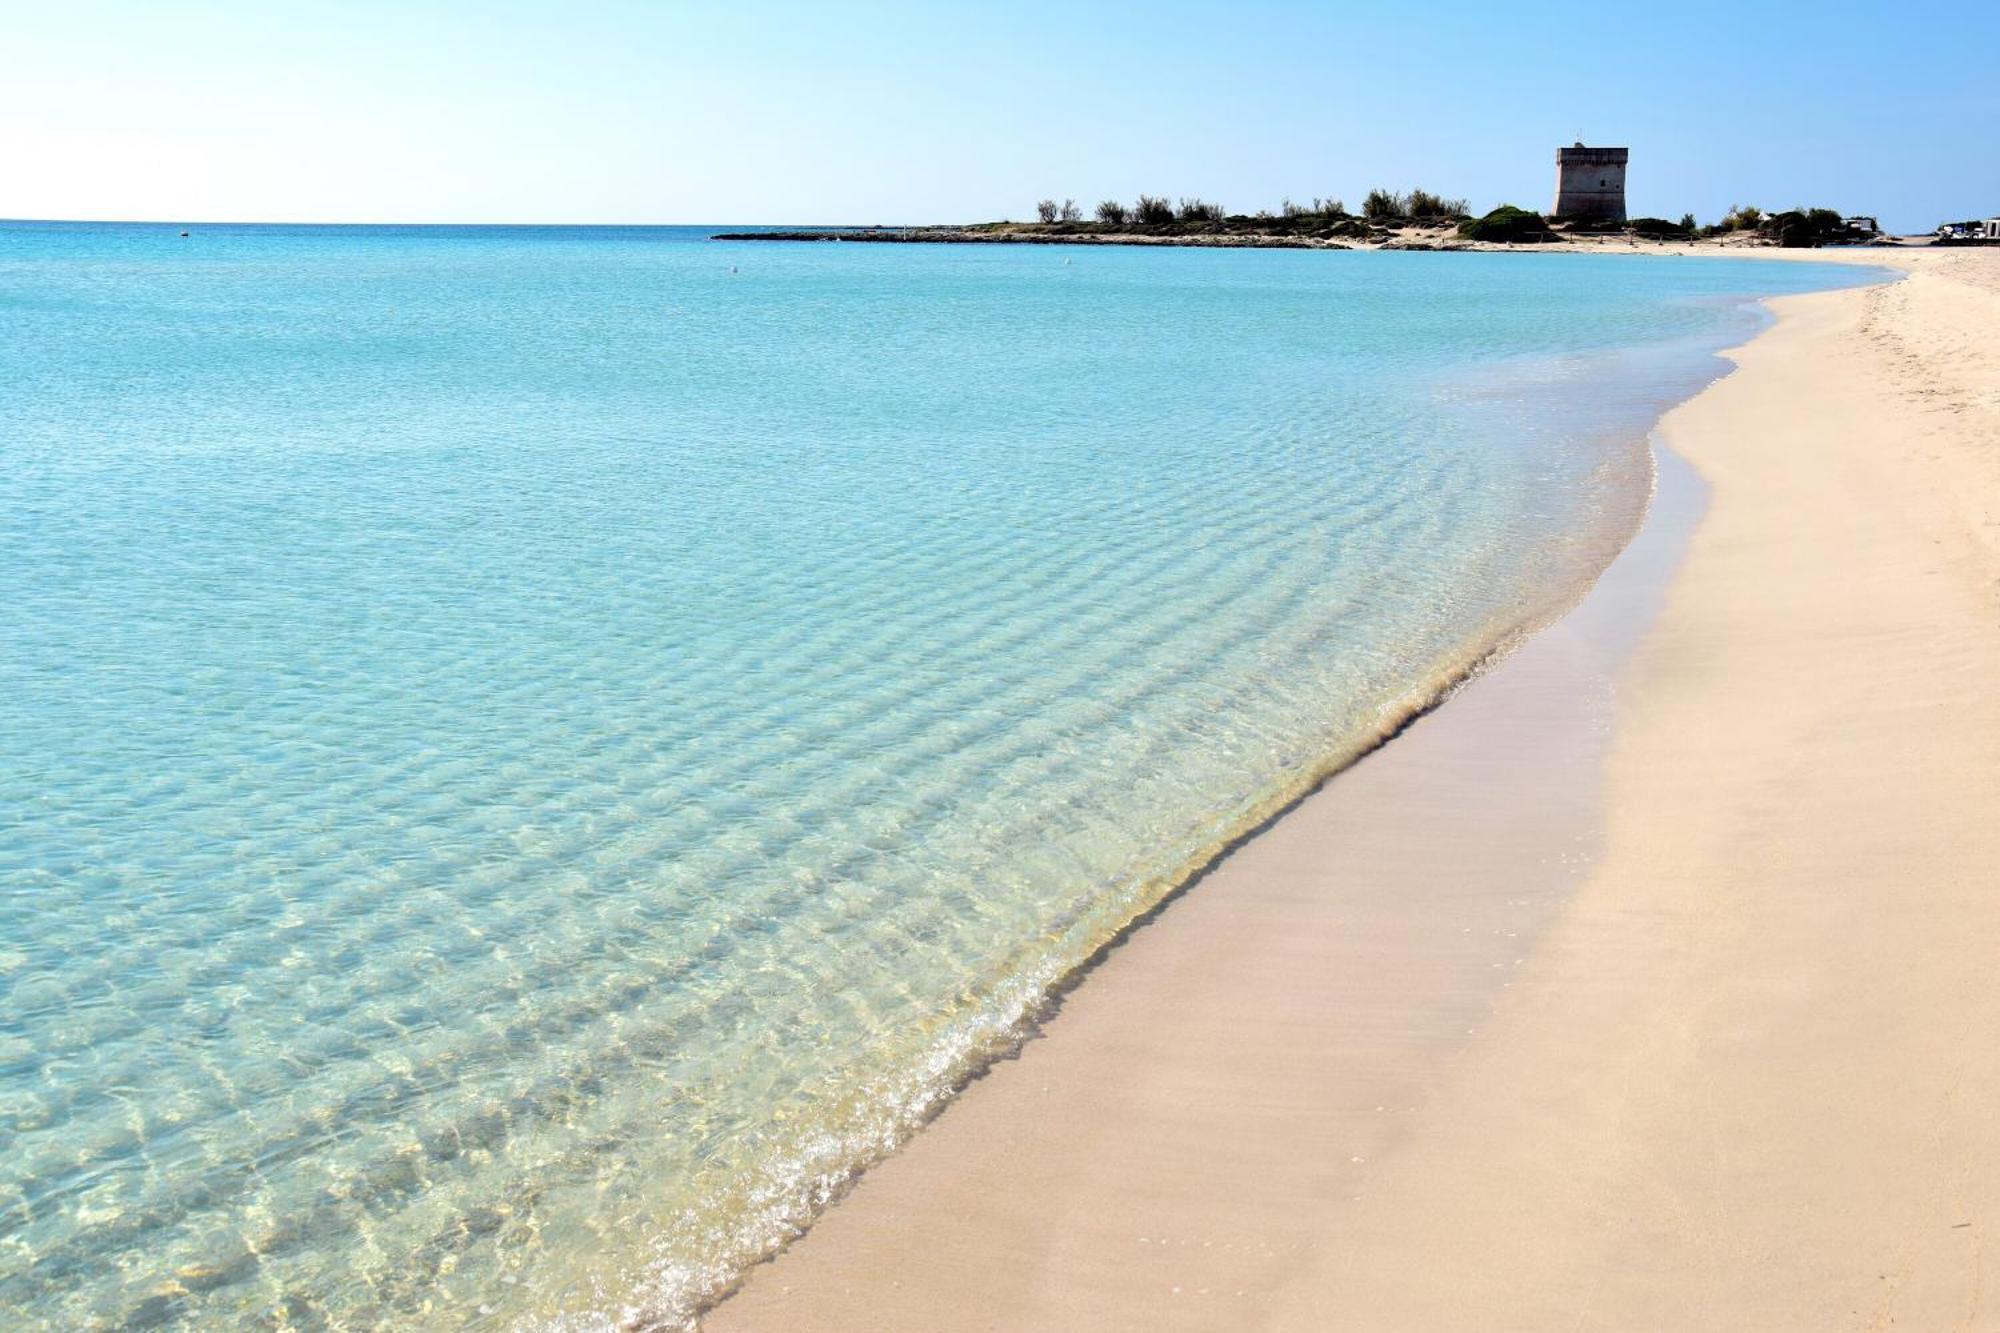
<point>531,755</point>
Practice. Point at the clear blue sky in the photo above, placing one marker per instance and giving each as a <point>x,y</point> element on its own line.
<point>843,111</point>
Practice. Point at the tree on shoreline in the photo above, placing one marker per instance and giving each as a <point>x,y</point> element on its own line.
<point>1382,205</point>
<point>1424,204</point>
<point>1741,217</point>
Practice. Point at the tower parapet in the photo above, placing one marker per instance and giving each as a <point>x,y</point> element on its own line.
<point>1590,184</point>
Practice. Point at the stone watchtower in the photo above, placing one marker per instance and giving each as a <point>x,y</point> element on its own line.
<point>1590,184</point>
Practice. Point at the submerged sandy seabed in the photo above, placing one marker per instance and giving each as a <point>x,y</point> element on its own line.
<point>1628,990</point>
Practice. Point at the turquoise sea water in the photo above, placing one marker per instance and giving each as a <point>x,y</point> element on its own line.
<point>528,754</point>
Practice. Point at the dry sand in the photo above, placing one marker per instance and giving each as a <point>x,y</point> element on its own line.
<point>1656,989</point>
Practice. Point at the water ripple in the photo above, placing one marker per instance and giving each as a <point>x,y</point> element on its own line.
<point>526,757</point>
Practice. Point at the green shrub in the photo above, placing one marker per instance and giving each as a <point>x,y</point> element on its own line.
<point>1113,212</point>
<point>1804,228</point>
<point>1383,205</point>
<point>1507,224</point>
<point>1152,210</point>
<point>1199,210</point>
<point>1660,229</point>
<point>1742,217</point>
<point>1424,204</point>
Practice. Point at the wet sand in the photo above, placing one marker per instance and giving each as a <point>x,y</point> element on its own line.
<point>1647,988</point>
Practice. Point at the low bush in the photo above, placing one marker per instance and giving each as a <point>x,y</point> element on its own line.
<point>1424,204</point>
<point>1804,228</point>
<point>1742,217</point>
<point>1383,205</point>
<point>1199,210</point>
<point>1507,225</point>
<point>1659,229</point>
<point>1152,210</point>
<point>1113,212</point>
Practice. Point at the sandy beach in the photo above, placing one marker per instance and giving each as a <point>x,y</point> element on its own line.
<point>1648,983</point>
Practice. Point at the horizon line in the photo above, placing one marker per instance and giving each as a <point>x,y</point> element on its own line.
<point>323,222</point>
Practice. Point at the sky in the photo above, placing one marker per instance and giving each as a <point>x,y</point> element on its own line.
<point>817,112</point>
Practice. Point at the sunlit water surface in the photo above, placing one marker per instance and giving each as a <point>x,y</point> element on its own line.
<point>527,754</point>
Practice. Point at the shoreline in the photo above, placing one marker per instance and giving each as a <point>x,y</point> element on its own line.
<point>1031,1000</point>
<point>1546,677</point>
<point>859,1245</point>
<point>1749,1076</point>
<point>1545,690</point>
<point>1404,235</point>
<point>1035,1000</point>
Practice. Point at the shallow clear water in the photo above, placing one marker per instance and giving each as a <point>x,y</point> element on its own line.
<point>527,754</point>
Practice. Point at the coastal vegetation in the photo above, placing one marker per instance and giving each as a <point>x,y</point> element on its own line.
<point>1507,225</point>
<point>1418,219</point>
<point>1740,217</point>
<point>1324,219</point>
<point>1793,229</point>
<point>1801,228</point>
<point>1659,229</point>
<point>1416,206</point>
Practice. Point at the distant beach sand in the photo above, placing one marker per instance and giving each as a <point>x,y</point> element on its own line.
<point>1636,987</point>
